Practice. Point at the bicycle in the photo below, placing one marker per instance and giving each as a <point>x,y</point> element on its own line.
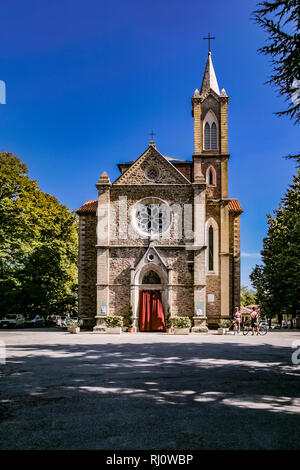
<point>234,326</point>
<point>262,330</point>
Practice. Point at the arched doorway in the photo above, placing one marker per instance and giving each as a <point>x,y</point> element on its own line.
<point>151,312</point>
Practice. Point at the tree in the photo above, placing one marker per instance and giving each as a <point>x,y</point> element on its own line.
<point>38,245</point>
<point>277,280</point>
<point>248,296</point>
<point>281,19</point>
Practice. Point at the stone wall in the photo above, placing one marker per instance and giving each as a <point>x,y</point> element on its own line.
<point>87,269</point>
<point>213,309</point>
<point>181,195</point>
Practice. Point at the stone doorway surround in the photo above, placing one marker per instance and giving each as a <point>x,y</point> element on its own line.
<point>151,261</point>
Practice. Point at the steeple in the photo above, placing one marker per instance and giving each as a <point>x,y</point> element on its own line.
<point>209,78</point>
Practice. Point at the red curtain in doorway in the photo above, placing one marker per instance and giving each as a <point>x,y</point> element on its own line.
<point>151,314</point>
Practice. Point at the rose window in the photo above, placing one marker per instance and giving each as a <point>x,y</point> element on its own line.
<point>153,218</point>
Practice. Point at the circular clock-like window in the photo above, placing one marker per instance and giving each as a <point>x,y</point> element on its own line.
<point>152,174</point>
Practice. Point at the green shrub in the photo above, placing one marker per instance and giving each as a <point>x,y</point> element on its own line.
<point>168,318</point>
<point>113,321</point>
<point>129,317</point>
<point>181,322</point>
<point>224,323</point>
<point>74,323</point>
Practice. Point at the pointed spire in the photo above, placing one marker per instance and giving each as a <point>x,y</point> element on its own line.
<point>104,178</point>
<point>209,78</point>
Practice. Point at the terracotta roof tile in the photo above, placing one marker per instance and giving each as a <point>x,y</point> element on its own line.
<point>88,207</point>
<point>91,206</point>
<point>234,206</point>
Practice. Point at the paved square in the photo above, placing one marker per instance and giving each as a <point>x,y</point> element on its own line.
<point>149,391</point>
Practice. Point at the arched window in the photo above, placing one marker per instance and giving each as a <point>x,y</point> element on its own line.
<point>211,176</point>
<point>207,136</point>
<point>210,249</point>
<point>212,243</point>
<point>213,136</point>
<point>151,277</point>
<point>210,131</point>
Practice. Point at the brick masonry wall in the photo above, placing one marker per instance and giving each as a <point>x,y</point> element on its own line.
<point>213,308</point>
<point>87,274</point>
<point>186,170</point>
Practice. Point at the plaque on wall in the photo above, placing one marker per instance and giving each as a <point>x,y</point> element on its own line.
<point>199,309</point>
<point>101,307</point>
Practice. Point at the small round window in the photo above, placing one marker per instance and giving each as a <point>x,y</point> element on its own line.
<point>152,174</point>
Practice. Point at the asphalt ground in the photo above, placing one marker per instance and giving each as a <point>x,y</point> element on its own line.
<point>149,391</point>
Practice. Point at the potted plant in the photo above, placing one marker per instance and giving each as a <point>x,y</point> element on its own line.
<point>181,325</point>
<point>130,319</point>
<point>168,322</point>
<point>74,326</point>
<point>223,327</point>
<point>114,324</point>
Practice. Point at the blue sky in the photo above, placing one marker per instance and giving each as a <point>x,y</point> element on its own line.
<point>88,80</point>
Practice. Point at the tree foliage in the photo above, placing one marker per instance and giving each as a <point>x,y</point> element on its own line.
<point>38,246</point>
<point>281,20</point>
<point>277,280</point>
<point>248,297</point>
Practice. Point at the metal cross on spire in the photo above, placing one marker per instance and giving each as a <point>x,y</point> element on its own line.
<point>152,135</point>
<point>209,38</point>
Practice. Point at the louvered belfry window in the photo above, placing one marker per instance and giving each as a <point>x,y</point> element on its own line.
<point>213,136</point>
<point>207,137</point>
<point>210,136</point>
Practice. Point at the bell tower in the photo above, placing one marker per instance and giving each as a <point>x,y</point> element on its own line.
<point>210,168</point>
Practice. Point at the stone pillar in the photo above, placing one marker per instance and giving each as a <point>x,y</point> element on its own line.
<point>224,177</point>
<point>169,288</point>
<point>224,144</point>
<point>199,256</point>
<point>224,259</point>
<point>134,298</point>
<point>198,138</point>
<point>224,213</point>
<point>224,100</point>
<point>236,261</point>
<point>103,211</point>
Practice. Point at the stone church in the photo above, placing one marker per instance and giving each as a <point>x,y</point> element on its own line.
<point>165,233</point>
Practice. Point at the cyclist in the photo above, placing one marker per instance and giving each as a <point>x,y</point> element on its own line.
<point>237,319</point>
<point>254,320</point>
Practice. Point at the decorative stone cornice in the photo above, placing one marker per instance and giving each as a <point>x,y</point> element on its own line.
<point>199,184</point>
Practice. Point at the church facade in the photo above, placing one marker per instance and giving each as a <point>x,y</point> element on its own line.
<point>165,234</point>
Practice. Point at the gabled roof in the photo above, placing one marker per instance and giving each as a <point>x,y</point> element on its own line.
<point>153,152</point>
<point>173,160</point>
<point>157,259</point>
<point>88,207</point>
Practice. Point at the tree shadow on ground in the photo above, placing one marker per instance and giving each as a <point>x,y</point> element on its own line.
<point>150,396</point>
